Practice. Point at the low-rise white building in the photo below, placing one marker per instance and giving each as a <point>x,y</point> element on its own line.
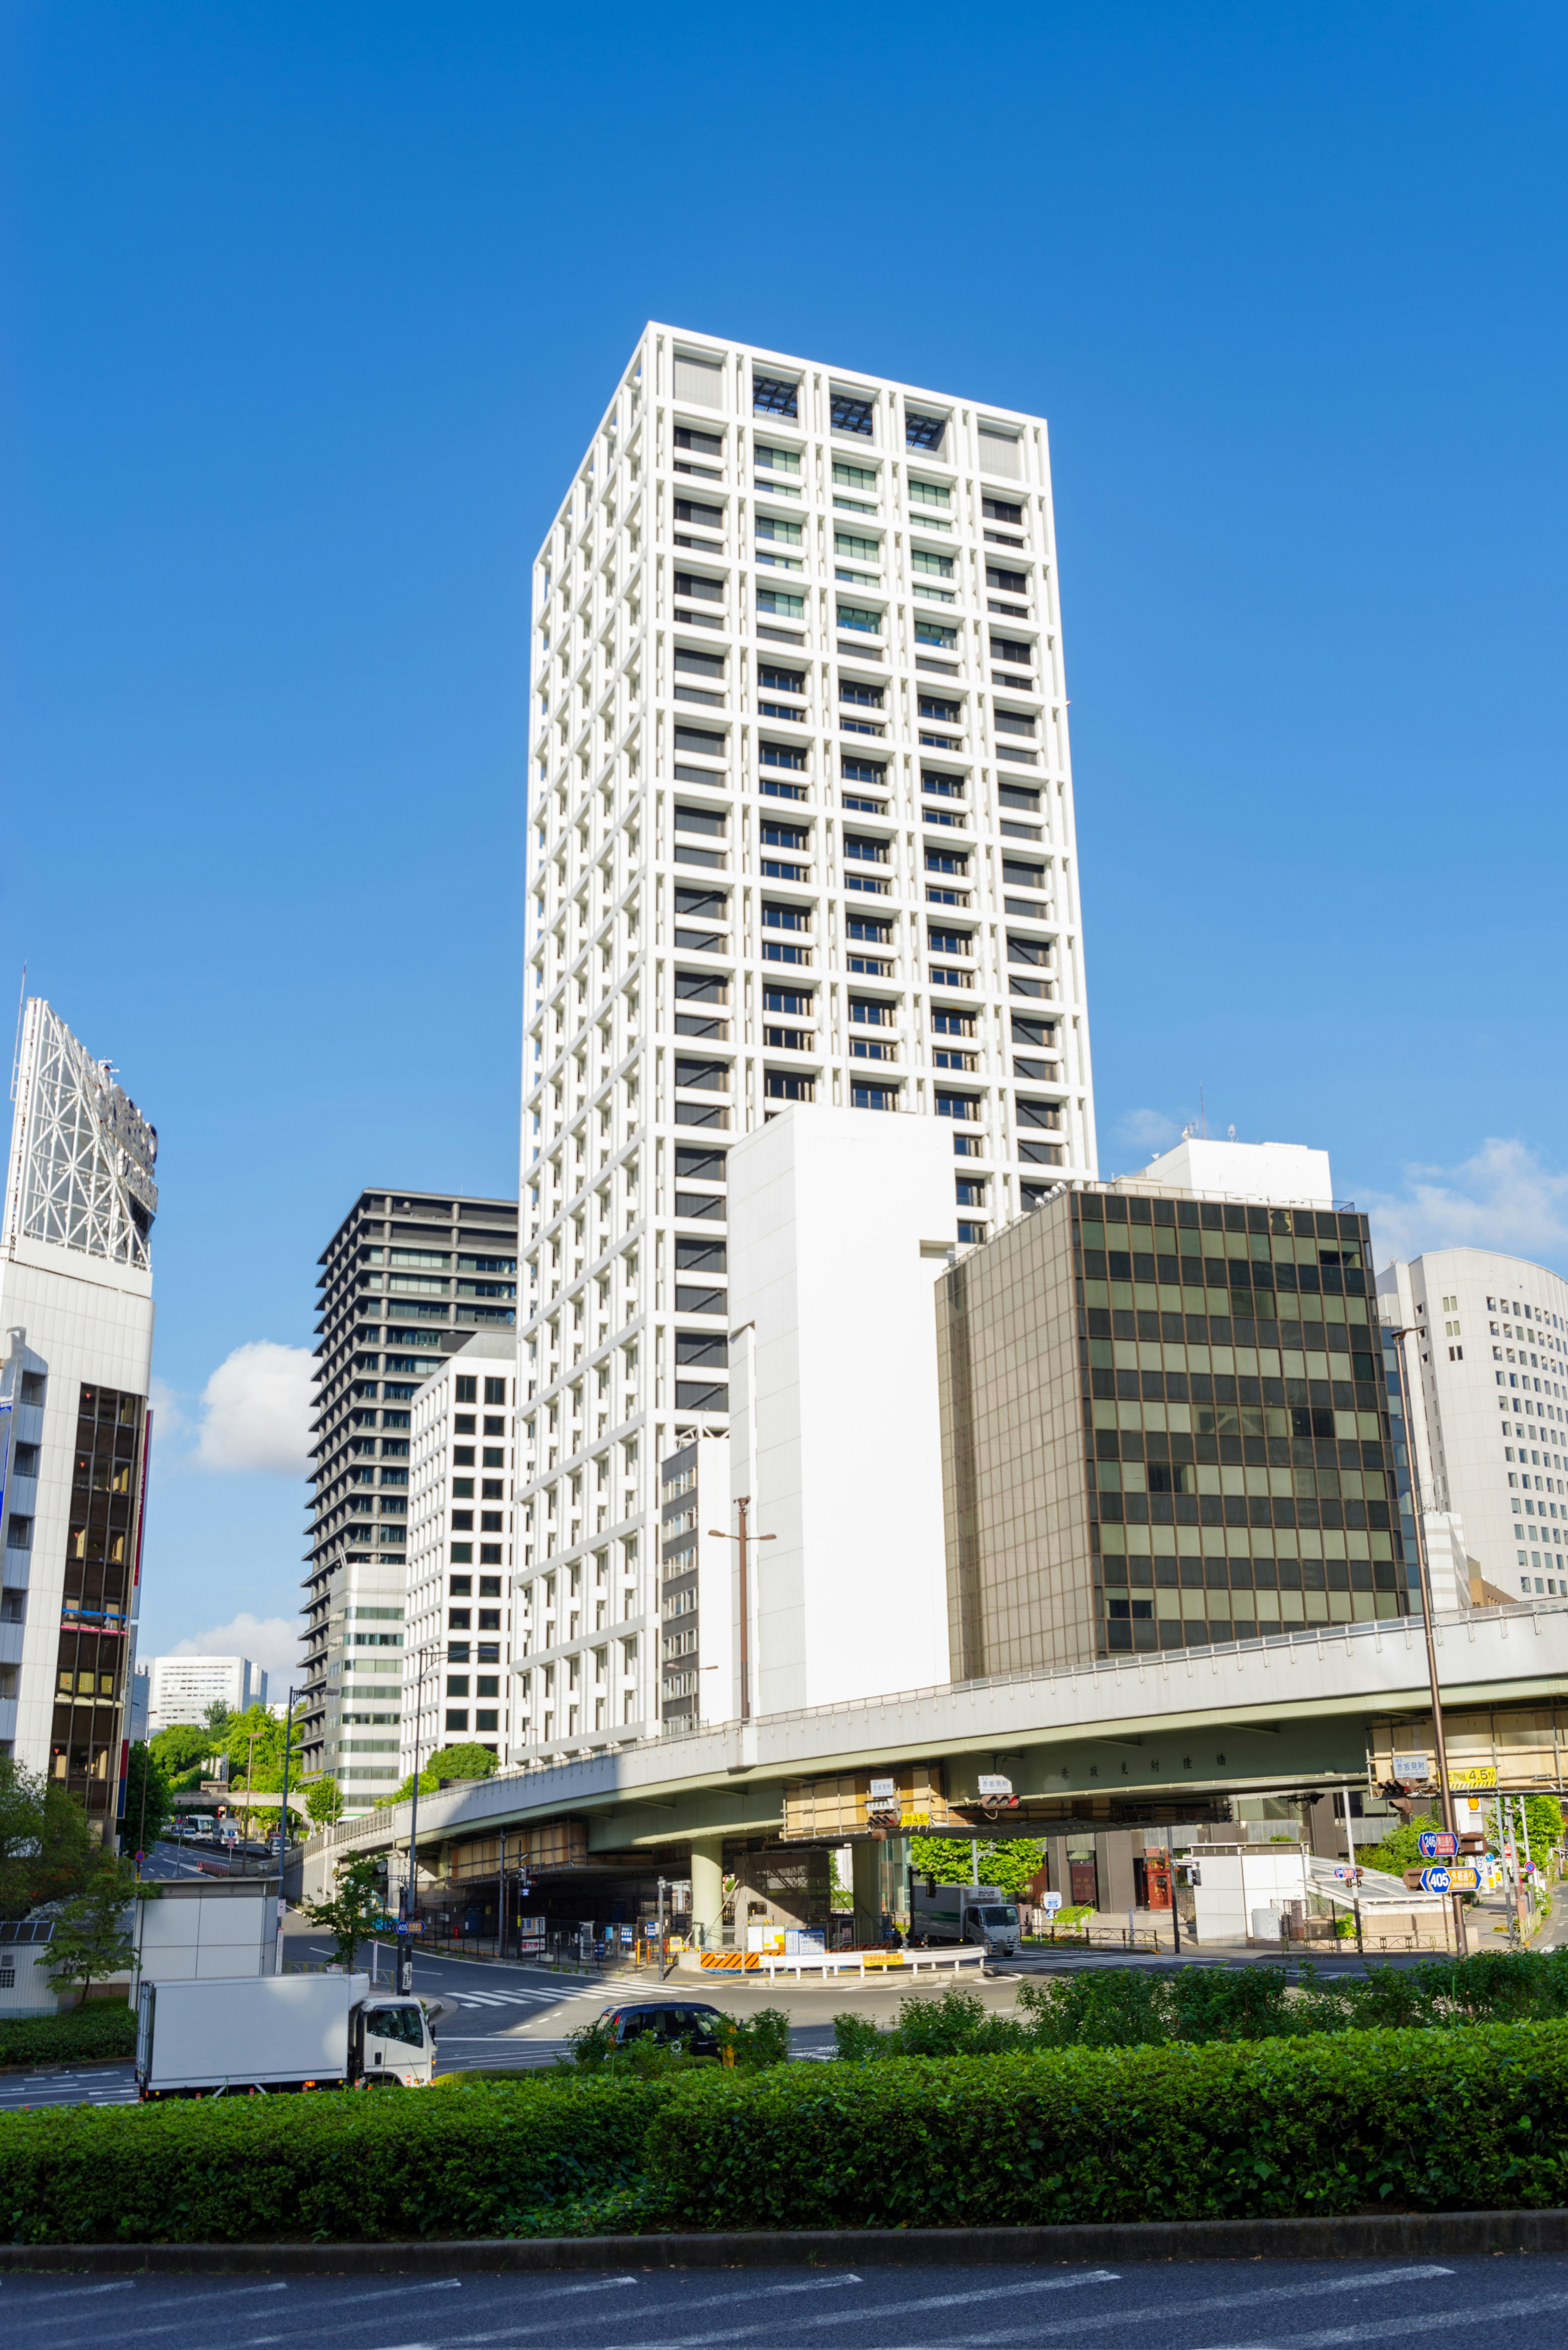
<point>457,1628</point>
<point>1490,1344</point>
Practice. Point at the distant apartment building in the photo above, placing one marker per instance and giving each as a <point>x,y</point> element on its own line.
<point>1490,1347</point>
<point>1163,1420</point>
<point>458,1623</point>
<point>407,1279</point>
<point>800,834</point>
<point>182,1689</point>
<point>76,1308</point>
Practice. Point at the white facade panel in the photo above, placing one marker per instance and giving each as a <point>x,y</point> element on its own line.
<point>839,1226</point>
<point>801,832</point>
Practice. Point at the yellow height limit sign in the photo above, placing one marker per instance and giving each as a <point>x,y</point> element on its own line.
<point>1473,1775</point>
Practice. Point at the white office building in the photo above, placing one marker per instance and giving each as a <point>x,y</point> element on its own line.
<point>801,831</point>
<point>458,1627</point>
<point>1491,1442</point>
<point>182,1689</point>
<point>76,1307</point>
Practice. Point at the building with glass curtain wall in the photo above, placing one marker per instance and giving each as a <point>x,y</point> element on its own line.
<point>1164,1424</point>
<point>801,831</point>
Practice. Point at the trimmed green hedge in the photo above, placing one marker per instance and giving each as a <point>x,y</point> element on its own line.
<point>102,2028</point>
<point>1411,2119</point>
<point>511,2160</point>
<point>1471,2120</point>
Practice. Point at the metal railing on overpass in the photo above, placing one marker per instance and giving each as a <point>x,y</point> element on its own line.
<point>1097,1693</point>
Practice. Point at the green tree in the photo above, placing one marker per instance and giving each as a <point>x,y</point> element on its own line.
<point>1400,1848</point>
<point>353,1909</point>
<point>148,1802</point>
<point>217,1719</point>
<point>69,1856</point>
<point>21,1824</point>
<point>464,1761</point>
<point>181,1748</point>
<point>92,1941</point>
<point>1009,1865</point>
<point>324,1800</point>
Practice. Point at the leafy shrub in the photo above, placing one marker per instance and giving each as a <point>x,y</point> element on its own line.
<point>757,2041</point>
<point>1476,2120</point>
<point>104,2028</point>
<point>522,2157</point>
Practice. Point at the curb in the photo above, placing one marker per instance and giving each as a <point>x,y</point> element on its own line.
<point>1375,2235</point>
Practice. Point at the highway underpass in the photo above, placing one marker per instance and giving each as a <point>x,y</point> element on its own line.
<point>1147,1740</point>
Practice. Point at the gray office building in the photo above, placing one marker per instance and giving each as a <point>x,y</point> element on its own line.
<point>405,1281</point>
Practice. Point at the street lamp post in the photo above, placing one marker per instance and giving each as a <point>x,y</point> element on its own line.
<point>1444,1791</point>
<point>411,1899</point>
<point>283,1829</point>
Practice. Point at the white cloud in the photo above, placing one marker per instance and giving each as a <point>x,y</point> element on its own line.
<point>1145,1130</point>
<point>270,1641</point>
<point>1501,1198</point>
<point>170,1422</point>
<point>255,1410</point>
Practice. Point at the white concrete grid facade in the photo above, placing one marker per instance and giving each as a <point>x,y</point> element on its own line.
<point>800,830</point>
<point>1493,1441</point>
<point>459,1625</point>
<point>180,1689</point>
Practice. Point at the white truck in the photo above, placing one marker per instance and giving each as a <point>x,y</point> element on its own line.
<point>235,2034</point>
<point>965,1913</point>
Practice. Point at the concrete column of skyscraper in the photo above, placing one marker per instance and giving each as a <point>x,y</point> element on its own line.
<point>75,1305</point>
<point>801,831</point>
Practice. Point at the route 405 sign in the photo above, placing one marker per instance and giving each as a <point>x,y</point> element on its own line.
<point>1450,1880</point>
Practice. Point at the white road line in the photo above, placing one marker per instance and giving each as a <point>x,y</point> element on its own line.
<point>1172,2308</point>
<point>1489,2314</point>
<point>885,2309</point>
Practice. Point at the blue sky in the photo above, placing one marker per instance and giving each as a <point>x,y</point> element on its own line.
<point>307,314</point>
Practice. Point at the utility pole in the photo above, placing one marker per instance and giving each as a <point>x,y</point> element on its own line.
<point>250,1766</point>
<point>283,1830</point>
<point>745,1537</point>
<point>410,1900</point>
<point>1444,1791</point>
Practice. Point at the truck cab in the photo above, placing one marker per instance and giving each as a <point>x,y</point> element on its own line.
<point>393,2043</point>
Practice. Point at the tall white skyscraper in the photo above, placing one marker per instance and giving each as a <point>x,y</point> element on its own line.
<point>801,831</point>
<point>1492,1438</point>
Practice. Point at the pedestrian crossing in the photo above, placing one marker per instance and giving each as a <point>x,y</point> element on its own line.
<point>527,1998</point>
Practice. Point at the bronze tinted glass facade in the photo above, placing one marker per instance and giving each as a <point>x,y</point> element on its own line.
<point>96,1606</point>
<point>1164,1424</point>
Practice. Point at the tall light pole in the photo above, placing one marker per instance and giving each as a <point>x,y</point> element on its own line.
<point>745,1537</point>
<point>431,1648</point>
<point>283,1829</point>
<point>1444,1791</point>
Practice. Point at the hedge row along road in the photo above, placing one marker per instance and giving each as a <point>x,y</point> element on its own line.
<point>1470,2119</point>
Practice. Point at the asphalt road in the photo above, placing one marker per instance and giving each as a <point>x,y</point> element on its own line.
<point>1211,2305</point>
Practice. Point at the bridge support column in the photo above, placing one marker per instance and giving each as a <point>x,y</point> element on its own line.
<point>708,1890</point>
<point>866,1863</point>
